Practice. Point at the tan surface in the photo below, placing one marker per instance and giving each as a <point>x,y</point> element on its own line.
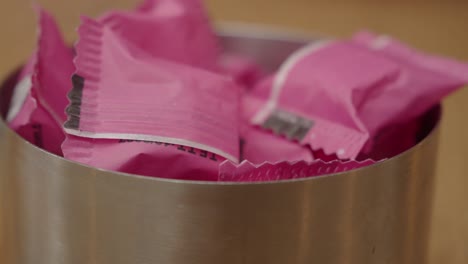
<point>436,26</point>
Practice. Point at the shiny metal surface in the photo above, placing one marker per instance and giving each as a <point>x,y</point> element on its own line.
<point>55,211</point>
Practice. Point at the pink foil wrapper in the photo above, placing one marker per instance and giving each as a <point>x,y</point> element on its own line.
<point>121,94</point>
<point>177,30</point>
<point>248,172</point>
<point>423,81</point>
<point>317,92</point>
<point>146,158</point>
<point>41,116</point>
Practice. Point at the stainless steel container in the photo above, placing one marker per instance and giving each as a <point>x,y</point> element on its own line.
<point>56,211</point>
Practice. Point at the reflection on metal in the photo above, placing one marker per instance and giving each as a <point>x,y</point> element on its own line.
<point>56,211</point>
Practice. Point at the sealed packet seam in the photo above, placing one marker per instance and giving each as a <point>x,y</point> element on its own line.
<point>86,75</point>
<point>249,172</point>
<point>80,150</point>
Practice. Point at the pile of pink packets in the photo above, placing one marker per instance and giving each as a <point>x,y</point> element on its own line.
<point>151,92</point>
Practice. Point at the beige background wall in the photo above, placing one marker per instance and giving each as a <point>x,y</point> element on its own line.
<point>435,26</point>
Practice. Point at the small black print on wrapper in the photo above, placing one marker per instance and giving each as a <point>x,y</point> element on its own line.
<point>74,109</point>
<point>292,126</point>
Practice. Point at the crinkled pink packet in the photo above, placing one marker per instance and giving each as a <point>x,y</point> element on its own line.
<point>146,158</point>
<point>121,94</point>
<point>40,117</point>
<point>317,92</point>
<point>177,30</point>
<point>248,172</point>
<point>423,81</point>
<point>259,146</point>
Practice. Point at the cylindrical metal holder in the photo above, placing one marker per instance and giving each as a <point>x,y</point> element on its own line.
<point>56,211</point>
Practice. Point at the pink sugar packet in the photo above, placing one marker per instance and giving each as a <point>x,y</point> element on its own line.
<point>146,158</point>
<point>248,172</point>
<point>245,71</point>
<point>176,30</point>
<point>317,92</point>
<point>119,93</point>
<point>259,146</point>
<point>40,117</point>
<point>423,81</point>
